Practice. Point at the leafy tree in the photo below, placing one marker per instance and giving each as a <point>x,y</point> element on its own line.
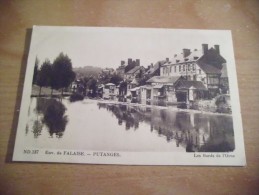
<point>36,70</point>
<point>62,72</point>
<point>143,80</point>
<point>116,79</point>
<point>92,86</point>
<point>44,75</point>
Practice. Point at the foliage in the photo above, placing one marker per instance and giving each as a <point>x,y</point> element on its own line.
<point>62,72</point>
<point>44,74</point>
<point>92,86</point>
<point>55,118</point>
<point>36,70</point>
<point>143,80</point>
<point>115,79</point>
<point>76,97</point>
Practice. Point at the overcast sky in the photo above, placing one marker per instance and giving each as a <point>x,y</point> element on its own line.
<point>106,47</point>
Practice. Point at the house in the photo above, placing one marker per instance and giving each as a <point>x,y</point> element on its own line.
<point>125,67</point>
<point>121,69</point>
<point>145,94</point>
<point>203,65</point>
<point>109,91</point>
<point>163,89</point>
<point>154,70</point>
<point>137,71</point>
<point>189,91</point>
<point>224,85</point>
<point>135,95</point>
<point>131,84</point>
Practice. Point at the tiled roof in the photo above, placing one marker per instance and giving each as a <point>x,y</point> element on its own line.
<point>155,67</point>
<point>163,79</point>
<point>184,84</point>
<point>208,68</point>
<point>194,56</point>
<point>133,70</point>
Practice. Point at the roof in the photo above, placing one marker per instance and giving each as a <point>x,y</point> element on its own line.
<point>146,86</point>
<point>109,84</point>
<point>198,56</point>
<point>151,70</point>
<point>159,86</point>
<point>194,56</point>
<point>134,89</point>
<point>208,68</point>
<point>184,84</point>
<point>134,81</point>
<point>163,79</point>
<point>133,70</point>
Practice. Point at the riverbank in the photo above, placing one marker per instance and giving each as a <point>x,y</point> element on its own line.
<point>173,108</point>
<point>46,92</point>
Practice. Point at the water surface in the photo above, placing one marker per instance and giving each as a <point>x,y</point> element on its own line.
<point>93,125</point>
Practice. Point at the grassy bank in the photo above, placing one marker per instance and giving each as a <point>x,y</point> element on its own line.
<point>46,92</point>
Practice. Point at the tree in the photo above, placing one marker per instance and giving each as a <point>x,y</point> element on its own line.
<point>92,86</point>
<point>62,72</point>
<point>115,79</point>
<point>36,70</point>
<point>44,75</point>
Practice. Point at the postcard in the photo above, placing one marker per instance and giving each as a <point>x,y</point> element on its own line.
<point>130,96</point>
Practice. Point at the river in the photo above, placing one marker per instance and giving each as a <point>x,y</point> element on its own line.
<point>102,126</point>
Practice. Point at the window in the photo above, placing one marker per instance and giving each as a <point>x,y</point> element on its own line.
<point>213,80</point>
<point>170,69</point>
<point>194,77</point>
<point>180,68</point>
<point>188,67</point>
<point>175,68</point>
<point>183,67</point>
<point>193,67</point>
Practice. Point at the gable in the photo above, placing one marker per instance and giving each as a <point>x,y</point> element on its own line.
<point>212,58</point>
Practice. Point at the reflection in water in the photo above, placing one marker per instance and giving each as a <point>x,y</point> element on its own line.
<point>125,127</point>
<point>50,112</point>
<point>193,131</point>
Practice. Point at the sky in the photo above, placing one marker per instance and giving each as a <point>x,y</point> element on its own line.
<point>106,47</point>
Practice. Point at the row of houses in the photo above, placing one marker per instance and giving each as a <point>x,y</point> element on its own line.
<point>186,77</point>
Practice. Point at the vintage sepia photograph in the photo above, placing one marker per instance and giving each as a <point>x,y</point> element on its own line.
<point>130,96</point>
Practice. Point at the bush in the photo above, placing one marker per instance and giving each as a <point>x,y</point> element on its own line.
<point>76,97</point>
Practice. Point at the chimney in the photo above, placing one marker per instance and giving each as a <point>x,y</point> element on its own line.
<point>216,47</point>
<point>205,48</point>
<point>122,63</point>
<point>137,62</point>
<point>175,55</point>
<point>167,59</point>
<point>186,52</point>
<point>151,65</point>
<point>129,61</point>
